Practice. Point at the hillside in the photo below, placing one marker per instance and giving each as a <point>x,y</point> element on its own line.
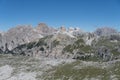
<point>50,54</point>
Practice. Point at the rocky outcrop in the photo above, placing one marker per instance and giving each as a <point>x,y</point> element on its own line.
<point>81,55</point>
<point>0,38</point>
<point>62,29</point>
<point>18,36</point>
<point>49,46</point>
<point>104,53</point>
<point>43,29</point>
<point>105,31</point>
<point>44,41</point>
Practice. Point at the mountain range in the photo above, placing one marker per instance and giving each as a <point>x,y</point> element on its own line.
<point>44,41</point>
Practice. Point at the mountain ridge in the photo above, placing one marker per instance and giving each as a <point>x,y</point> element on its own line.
<point>44,41</point>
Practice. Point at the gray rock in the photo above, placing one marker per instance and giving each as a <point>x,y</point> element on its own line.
<point>43,29</point>
<point>104,53</point>
<point>105,31</point>
<point>18,36</point>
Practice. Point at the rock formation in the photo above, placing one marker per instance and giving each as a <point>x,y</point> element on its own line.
<point>105,31</point>
<point>44,30</point>
<point>44,41</point>
<point>17,36</point>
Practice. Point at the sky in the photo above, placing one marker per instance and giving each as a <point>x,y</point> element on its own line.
<point>85,14</point>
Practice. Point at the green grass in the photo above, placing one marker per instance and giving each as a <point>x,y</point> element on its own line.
<point>74,71</point>
<point>107,43</point>
<point>116,69</point>
<point>83,48</point>
<point>79,41</point>
<point>41,42</point>
<point>68,71</point>
<point>68,48</point>
<point>86,49</point>
<point>115,52</point>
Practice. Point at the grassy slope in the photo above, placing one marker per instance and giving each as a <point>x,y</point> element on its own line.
<point>68,71</point>
<point>73,71</point>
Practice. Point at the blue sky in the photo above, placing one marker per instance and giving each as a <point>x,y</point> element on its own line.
<point>86,14</point>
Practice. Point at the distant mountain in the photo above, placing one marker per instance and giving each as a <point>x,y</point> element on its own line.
<point>105,31</point>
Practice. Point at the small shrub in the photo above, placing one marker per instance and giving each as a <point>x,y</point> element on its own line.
<point>30,45</point>
<point>68,48</point>
<point>115,52</point>
<point>55,43</point>
<point>79,41</point>
<point>42,49</point>
<point>86,49</point>
<point>41,42</point>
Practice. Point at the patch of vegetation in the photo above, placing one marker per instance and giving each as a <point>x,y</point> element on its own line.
<point>115,52</point>
<point>86,49</point>
<point>79,41</point>
<point>21,46</point>
<point>106,42</point>
<point>74,71</point>
<point>67,71</point>
<point>78,45</point>
<point>116,69</point>
<point>31,45</point>
<point>55,43</point>
<point>111,45</point>
<point>68,48</point>
<point>42,49</point>
<point>94,59</point>
<point>41,42</point>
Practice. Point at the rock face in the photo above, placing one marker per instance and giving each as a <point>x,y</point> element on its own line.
<point>0,38</point>
<point>49,46</point>
<point>105,31</point>
<point>23,34</point>
<point>62,29</point>
<point>17,36</point>
<point>43,29</point>
<point>44,41</point>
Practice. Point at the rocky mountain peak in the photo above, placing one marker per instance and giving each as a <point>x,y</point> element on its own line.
<point>44,29</point>
<point>62,29</point>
